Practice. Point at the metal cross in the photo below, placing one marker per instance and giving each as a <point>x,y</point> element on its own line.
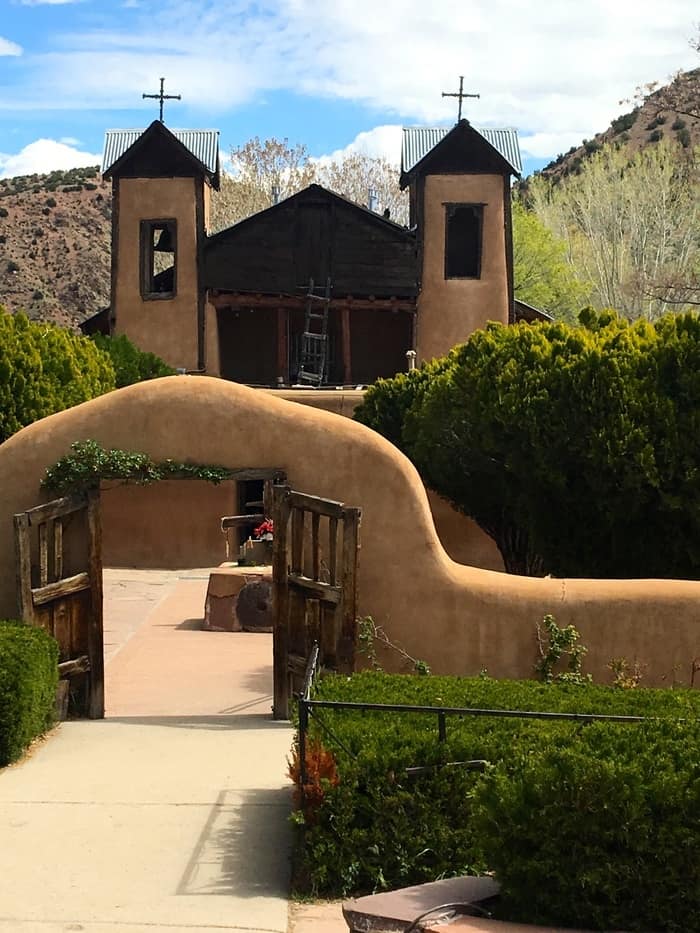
<point>161,97</point>
<point>461,95</point>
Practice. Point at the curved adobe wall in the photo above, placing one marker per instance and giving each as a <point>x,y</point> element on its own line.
<point>457,618</point>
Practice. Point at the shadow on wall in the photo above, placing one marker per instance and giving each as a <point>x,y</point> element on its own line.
<point>458,618</point>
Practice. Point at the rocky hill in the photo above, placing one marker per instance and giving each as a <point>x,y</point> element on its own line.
<point>670,112</point>
<point>55,236</point>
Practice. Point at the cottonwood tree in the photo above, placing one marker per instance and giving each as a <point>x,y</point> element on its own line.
<point>631,225</point>
<point>542,274</point>
<point>264,171</point>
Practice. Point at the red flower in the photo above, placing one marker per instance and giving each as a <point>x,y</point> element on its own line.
<point>266,528</point>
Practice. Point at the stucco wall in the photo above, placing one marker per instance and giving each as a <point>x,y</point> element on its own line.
<point>457,618</point>
<point>169,525</point>
<point>167,327</point>
<point>449,310</point>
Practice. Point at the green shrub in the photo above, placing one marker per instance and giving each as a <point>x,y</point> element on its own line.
<point>28,678</point>
<point>601,834</point>
<point>379,827</point>
<point>44,369</point>
<point>88,464</point>
<point>131,364</point>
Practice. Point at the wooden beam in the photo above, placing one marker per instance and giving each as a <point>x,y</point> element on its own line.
<point>327,507</point>
<point>235,521</point>
<point>55,509</point>
<point>282,356</point>
<point>58,549</point>
<point>224,300</point>
<point>96,699</point>
<point>23,569</point>
<point>348,622</point>
<point>280,604</point>
<point>345,343</point>
<point>316,589</point>
<point>43,553</point>
<point>79,665</point>
<point>61,588</point>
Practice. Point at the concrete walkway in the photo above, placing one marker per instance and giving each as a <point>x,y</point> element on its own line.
<point>170,814</point>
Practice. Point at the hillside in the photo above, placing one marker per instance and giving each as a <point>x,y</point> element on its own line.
<point>656,117</point>
<point>55,245</point>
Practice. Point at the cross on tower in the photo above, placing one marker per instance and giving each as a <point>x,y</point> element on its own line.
<point>461,95</point>
<point>161,97</point>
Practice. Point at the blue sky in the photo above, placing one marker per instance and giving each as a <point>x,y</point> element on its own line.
<point>336,75</point>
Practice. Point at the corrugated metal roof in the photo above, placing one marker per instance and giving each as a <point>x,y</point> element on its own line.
<point>418,141</point>
<point>203,144</point>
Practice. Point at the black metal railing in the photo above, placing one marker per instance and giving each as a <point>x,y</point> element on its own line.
<point>307,706</point>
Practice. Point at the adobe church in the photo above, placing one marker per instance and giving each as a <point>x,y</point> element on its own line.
<point>316,289</point>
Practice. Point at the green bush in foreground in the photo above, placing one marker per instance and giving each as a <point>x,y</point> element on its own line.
<point>379,828</point>
<point>602,833</point>
<point>28,678</point>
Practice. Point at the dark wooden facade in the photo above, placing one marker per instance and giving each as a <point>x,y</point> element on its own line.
<point>257,274</point>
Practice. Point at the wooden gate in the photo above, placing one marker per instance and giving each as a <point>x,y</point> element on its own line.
<point>59,588</point>
<point>314,587</point>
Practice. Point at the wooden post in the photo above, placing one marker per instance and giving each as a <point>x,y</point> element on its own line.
<point>345,342</point>
<point>280,603</point>
<point>23,569</point>
<point>96,698</point>
<point>348,620</point>
<point>58,549</point>
<point>282,321</point>
<point>43,553</point>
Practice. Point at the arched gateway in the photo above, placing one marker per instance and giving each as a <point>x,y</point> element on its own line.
<point>459,619</point>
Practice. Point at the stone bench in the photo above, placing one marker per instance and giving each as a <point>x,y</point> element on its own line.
<point>239,599</point>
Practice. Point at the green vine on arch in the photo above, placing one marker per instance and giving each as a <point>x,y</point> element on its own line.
<point>88,464</point>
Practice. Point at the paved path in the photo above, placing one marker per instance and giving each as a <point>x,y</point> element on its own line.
<point>171,814</point>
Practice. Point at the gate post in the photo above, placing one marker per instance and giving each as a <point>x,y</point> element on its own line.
<point>280,603</point>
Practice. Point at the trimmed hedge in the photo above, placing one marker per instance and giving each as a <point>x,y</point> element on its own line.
<point>28,679</point>
<point>603,833</point>
<point>379,828</point>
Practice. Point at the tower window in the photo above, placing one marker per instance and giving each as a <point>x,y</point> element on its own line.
<point>158,259</point>
<point>463,240</point>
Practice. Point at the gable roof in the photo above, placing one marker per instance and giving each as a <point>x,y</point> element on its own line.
<point>418,142</point>
<point>200,145</point>
<point>309,193</point>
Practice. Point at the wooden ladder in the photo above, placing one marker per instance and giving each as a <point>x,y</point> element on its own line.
<point>314,340</point>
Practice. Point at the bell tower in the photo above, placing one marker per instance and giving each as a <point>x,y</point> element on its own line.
<point>459,185</point>
<point>161,183</point>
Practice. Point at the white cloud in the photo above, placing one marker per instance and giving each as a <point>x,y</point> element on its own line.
<point>48,2</point>
<point>382,142</point>
<point>45,155</point>
<point>69,141</point>
<point>554,71</point>
<point>9,48</point>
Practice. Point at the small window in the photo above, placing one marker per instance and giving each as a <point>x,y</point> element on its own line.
<point>158,259</point>
<point>463,234</point>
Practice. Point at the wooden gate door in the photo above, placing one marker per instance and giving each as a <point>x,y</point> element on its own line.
<point>59,588</point>
<point>314,587</point>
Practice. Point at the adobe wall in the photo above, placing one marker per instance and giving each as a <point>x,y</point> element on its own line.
<point>449,310</point>
<point>167,525</point>
<point>459,619</point>
<point>166,327</point>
